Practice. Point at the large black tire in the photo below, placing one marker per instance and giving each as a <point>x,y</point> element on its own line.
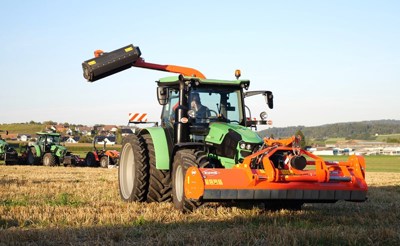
<point>133,172</point>
<point>31,158</point>
<point>90,160</point>
<point>10,157</point>
<point>104,162</point>
<point>182,161</point>
<point>160,181</point>
<point>49,160</point>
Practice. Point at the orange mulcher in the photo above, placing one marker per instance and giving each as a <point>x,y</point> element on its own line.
<point>301,176</point>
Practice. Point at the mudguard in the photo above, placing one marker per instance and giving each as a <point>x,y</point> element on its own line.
<point>160,146</point>
<point>38,150</point>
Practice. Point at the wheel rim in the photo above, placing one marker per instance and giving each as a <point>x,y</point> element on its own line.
<point>104,162</point>
<point>126,172</point>
<point>179,183</point>
<point>46,161</point>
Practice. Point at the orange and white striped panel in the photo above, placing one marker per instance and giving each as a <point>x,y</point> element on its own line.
<point>137,117</point>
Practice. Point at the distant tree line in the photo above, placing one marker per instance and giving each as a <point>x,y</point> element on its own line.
<point>364,130</point>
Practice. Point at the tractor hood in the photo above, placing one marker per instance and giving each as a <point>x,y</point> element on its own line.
<point>219,131</point>
<point>232,142</point>
<point>58,150</point>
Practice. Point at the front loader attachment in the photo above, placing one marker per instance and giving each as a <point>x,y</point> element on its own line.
<point>280,172</point>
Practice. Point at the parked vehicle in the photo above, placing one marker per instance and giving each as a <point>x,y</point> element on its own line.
<point>48,151</point>
<point>101,158</point>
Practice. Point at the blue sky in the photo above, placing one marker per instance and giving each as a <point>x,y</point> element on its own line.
<point>325,61</point>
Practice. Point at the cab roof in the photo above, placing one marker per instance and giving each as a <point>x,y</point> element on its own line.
<point>174,81</point>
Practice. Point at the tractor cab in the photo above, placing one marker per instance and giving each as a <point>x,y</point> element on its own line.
<point>47,140</point>
<point>210,112</point>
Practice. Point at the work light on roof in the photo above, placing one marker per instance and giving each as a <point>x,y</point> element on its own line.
<point>237,73</point>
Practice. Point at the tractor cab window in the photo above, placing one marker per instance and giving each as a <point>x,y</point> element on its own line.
<point>49,140</point>
<point>168,114</point>
<point>207,105</point>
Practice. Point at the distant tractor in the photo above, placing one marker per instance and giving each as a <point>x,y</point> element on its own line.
<point>48,151</point>
<point>101,158</point>
<point>7,153</point>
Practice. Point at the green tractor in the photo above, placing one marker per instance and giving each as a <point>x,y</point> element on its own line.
<point>205,148</point>
<point>203,124</point>
<point>3,148</point>
<point>8,153</point>
<point>47,150</point>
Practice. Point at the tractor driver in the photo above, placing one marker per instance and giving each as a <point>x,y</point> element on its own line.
<point>201,111</point>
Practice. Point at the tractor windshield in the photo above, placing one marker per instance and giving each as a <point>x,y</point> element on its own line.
<point>49,139</point>
<point>216,104</point>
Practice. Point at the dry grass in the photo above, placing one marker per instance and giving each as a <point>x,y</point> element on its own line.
<point>64,206</point>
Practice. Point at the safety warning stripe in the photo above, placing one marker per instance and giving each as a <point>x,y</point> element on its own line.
<point>138,117</point>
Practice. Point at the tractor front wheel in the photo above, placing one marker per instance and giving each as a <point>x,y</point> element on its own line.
<point>182,161</point>
<point>49,160</point>
<point>133,172</point>
<point>104,162</point>
<point>90,160</point>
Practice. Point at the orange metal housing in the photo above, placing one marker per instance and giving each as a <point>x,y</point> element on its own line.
<point>320,181</point>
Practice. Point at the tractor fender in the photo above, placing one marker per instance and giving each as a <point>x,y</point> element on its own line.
<point>161,149</point>
<point>37,149</point>
<point>96,156</point>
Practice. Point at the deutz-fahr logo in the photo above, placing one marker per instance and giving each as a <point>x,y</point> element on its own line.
<point>210,172</point>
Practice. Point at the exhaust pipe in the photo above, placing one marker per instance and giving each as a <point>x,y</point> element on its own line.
<point>110,63</point>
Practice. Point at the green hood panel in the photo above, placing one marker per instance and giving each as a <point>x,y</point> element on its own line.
<point>218,130</point>
<point>58,150</point>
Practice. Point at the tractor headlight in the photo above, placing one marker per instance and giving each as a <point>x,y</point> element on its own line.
<point>245,146</point>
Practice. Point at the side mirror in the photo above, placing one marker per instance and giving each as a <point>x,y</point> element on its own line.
<point>269,98</point>
<point>162,95</point>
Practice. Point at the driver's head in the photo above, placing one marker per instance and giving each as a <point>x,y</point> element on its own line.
<point>196,98</point>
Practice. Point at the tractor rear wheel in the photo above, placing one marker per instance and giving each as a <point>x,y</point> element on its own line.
<point>104,162</point>
<point>10,155</point>
<point>49,160</point>
<point>31,156</point>
<point>160,181</point>
<point>90,160</point>
<point>183,160</point>
<point>133,172</point>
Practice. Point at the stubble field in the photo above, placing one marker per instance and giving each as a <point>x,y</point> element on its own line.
<point>69,206</point>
